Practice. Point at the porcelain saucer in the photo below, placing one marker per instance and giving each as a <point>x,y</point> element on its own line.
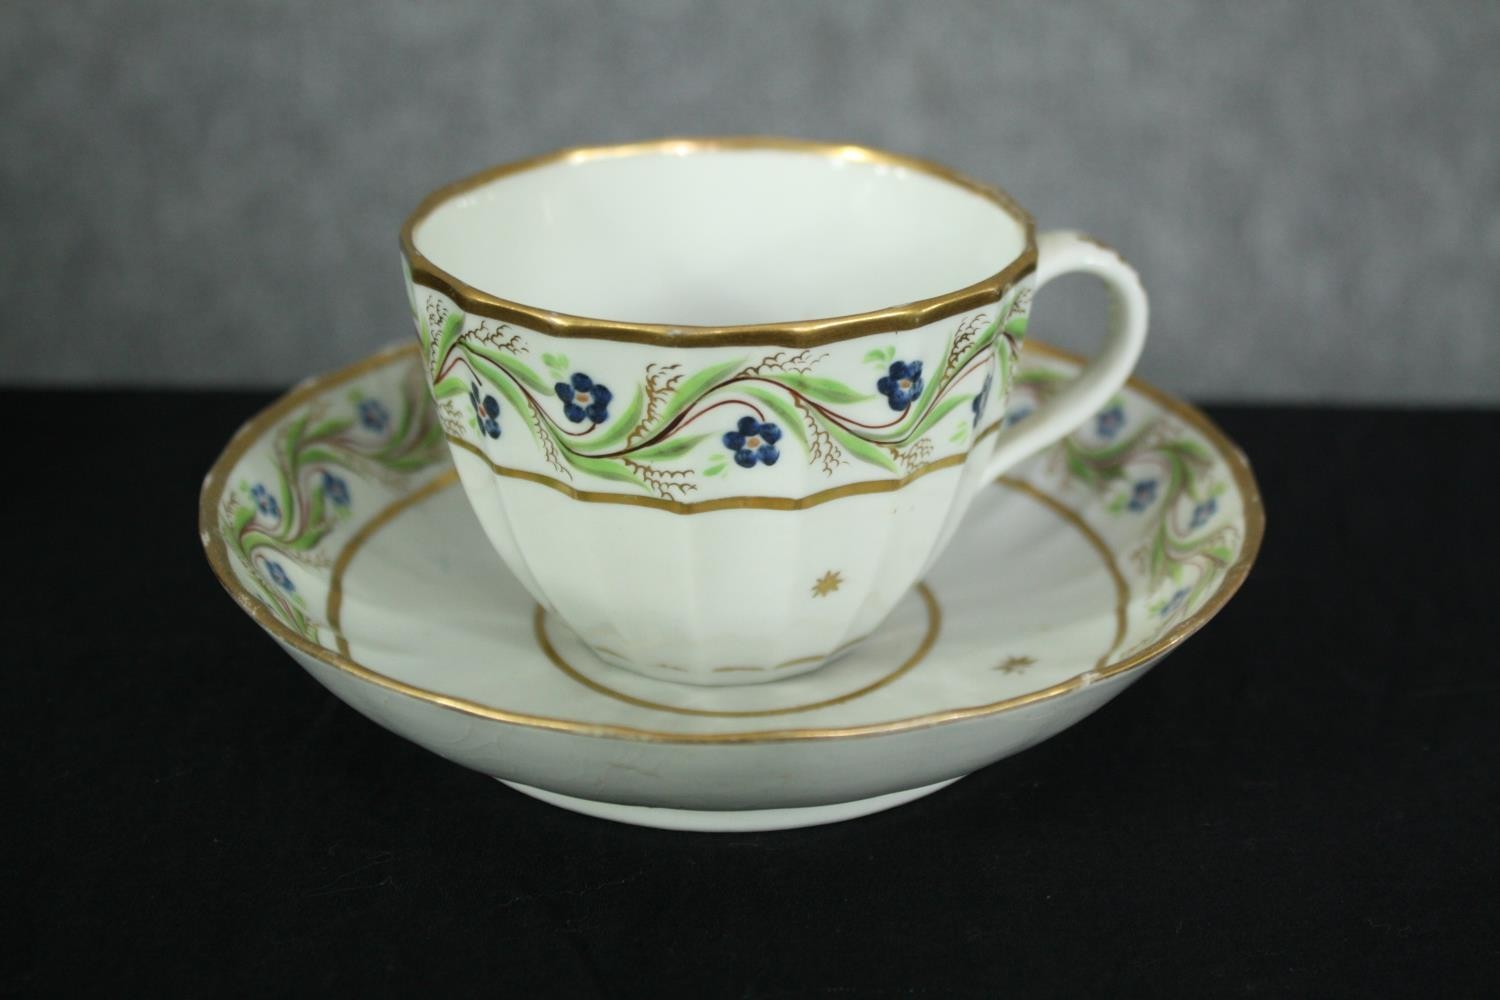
<point>334,518</point>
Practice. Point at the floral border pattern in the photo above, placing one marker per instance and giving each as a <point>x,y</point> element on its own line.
<point>275,523</point>
<point>396,381</point>
<point>670,428</point>
<point>1158,471</point>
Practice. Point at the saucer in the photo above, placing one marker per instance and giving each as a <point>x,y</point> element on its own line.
<point>335,519</point>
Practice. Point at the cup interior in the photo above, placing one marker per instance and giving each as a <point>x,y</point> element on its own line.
<point>694,234</point>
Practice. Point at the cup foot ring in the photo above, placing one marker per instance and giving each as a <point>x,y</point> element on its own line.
<point>729,820</point>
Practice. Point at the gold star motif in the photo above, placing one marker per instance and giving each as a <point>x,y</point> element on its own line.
<point>1015,664</point>
<point>827,584</point>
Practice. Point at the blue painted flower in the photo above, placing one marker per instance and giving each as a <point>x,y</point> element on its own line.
<point>278,576</point>
<point>1142,495</point>
<point>486,411</point>
<point>583,398</point>
<point>1174,603</point>
<point>753,441</point>
<point>1108,422</point>
<point>982,400</point>
<point>335,489</point>
<point>1017,415</point>
<point>1203,512</point>
<point>373,415</point>
<point>902,384</point>
<point>264,501</point>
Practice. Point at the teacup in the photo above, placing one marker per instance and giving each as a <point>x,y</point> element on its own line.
<point>795,385</point>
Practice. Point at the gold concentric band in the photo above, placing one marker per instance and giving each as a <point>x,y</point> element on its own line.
<point>216,550</point>
<point>1100,547</point>
<point>357,541</point>
<point>725,503</point>
<point>929,599</point>
<point>934,626</point>
<point>802,333</point>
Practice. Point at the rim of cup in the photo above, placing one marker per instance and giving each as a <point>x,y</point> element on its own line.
<point>798,332</point>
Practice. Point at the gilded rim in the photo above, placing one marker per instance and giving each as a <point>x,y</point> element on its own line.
<point>217,552</point>
<point>803,333</point>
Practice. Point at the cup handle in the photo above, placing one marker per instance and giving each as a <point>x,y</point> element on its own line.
<point>1062,252</point>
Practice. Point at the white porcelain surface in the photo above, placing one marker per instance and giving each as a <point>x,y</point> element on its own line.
<point>730,504</point>
<point>738,237</point>
<point>1051,607</point>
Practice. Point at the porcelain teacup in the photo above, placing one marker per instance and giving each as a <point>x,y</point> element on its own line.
<point>719,403</point>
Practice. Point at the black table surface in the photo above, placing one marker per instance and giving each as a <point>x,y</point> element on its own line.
<point>1301,800</point>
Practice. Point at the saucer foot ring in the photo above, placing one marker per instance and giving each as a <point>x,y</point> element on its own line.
<point>729,820</point>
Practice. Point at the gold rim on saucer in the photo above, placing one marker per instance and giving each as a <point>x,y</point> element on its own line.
<point>216,550</point>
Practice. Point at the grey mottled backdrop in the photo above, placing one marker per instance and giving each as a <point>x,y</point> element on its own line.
<point>208,192</point>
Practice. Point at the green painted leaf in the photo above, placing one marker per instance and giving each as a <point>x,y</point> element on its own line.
<point>604,468</point>
<point>623,424</point>
<point>860,448</point>
<point>930,380</point>
<point>672,447</point>
<point>557,362</point>
<point>938,413</point>
<point>453,325</point>
<point>1189,448</point>
<point>322,456</point>
<point>316,508</point>
<point>1016,326</point>
<point>258,539</point>
<point>785,412</point>
<point>1180,478</point>
<point>328,428</point>
<point>403,424</point>
<point>1111,454</point>
<point>242,517</point>
<point>509,392</point>
<point>693,389</point>
<point>715,470</point>
<point>294,434</point>
<point>518,369</point>
<point>408,463</point>
<point>979,344</point>
<point>824,390</point>
<point>1079,468</point>
<point>310,538</point>
<point>877,355</point>
<point>453,385</point>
